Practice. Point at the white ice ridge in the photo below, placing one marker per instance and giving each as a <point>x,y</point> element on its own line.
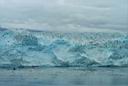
<point>34,48</point>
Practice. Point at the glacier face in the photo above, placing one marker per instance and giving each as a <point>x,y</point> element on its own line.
<point>33,48</point>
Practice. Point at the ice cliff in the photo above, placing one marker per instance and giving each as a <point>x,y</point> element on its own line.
<point>45,48</point>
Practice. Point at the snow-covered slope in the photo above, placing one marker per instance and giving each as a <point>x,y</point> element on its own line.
<point>33,48</point>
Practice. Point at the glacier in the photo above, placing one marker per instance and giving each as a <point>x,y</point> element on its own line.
<point>29,48</point>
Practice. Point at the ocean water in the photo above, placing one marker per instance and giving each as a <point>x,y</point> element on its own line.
<point>66,76</point>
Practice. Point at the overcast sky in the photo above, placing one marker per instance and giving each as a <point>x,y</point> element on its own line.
<point>65,15</point>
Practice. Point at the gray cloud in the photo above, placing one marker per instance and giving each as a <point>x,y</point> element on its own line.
<point>65,15</point>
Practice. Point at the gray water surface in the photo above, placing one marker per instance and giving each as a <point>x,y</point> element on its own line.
<point>72,76</point>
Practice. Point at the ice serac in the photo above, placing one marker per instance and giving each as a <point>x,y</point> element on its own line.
<point>45,48</point>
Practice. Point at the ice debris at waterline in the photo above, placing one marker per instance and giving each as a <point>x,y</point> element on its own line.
<point>33,48</point>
